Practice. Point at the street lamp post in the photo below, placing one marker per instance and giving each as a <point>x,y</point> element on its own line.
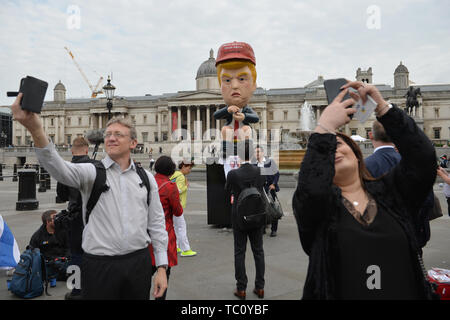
<point>108,89</point>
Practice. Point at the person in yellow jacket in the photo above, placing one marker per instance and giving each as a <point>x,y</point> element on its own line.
<point>179,177</point>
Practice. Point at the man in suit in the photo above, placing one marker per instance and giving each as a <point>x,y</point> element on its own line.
<point>384,156</point>
<point>269,171</point>
<point>237,180</point>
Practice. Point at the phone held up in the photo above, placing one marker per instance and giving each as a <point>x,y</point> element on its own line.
<point>34,91</point>
<point>363,110</point>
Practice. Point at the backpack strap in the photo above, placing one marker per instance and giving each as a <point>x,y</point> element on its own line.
<point>144,177</point>
<point>98,188</point>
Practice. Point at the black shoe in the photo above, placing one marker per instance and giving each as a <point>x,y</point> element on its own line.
<point>70,296</point>
<point>273,234</point>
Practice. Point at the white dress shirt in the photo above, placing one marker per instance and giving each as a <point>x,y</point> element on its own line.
<point>121,222</point>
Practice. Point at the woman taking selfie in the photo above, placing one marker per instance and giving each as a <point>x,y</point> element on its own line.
<point>359,232</point>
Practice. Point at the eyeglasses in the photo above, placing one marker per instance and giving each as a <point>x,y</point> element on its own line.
<point>117,135</point>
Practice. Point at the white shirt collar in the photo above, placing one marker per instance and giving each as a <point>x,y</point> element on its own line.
<point>382,147</point>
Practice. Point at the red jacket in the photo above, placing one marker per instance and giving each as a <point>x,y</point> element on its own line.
<point>170,201</point>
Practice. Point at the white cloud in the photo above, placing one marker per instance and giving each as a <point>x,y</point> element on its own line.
<point>157,46</point>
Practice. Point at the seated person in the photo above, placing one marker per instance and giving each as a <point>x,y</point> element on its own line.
<point>237,78</point>
<point>54,246</point>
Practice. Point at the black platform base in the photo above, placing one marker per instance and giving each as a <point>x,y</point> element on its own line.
<point>25,205</point>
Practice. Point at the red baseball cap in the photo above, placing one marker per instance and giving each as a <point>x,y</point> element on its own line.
<point>235,50</point>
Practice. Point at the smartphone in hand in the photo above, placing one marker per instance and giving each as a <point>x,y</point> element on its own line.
<point>333,88</point>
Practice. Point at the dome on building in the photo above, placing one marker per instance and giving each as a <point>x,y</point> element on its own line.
<point>59,86</point>
<point>401,69</point>
<point>207,68</point>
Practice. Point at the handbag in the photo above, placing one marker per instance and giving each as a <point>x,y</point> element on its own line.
<point>273,206</point>
<point>436,211</point>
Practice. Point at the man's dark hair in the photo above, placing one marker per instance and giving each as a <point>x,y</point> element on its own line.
<point>165,165</point>
<point>46,216</point>
<point>378,132</point>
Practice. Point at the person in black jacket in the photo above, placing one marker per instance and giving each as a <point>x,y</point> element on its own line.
<point>270,172</point>
<point>238,180</point>
<point>53,244</point>
<point>80,149</point>
<point>358,231</point>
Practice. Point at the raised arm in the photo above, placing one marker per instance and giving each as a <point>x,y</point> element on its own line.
<point>415,174</point>
<point>314,198</point>
<point>73,175</point>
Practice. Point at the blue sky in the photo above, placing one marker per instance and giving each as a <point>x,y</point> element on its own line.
<point>156,46</point>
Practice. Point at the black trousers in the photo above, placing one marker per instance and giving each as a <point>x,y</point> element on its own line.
<point>126,277</point>
<point>240,247</point>
<point>448,205</point>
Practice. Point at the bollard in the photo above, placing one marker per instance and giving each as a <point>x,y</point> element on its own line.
<point>27,191</point>
<point>1,172</point>
<point>15,172</point>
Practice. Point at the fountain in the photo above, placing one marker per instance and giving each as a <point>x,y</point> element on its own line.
<point>293,147</point>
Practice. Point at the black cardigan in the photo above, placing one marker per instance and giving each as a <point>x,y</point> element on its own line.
<point>317,203</point>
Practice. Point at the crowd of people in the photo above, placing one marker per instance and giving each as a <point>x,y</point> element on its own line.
<point>355,216</point>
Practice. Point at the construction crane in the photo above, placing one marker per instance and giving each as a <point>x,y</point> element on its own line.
<point>94,90</point>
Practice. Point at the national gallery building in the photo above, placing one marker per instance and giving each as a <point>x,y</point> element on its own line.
<point>157,117</point>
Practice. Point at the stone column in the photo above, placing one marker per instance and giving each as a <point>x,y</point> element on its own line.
<point>179,123</point>
<point>199,128</point>
<point>100,124</point>
<point>63,131</point>
<point>264,125</point>
<point>56,130</point>
<point>158,123</point>
<point>170,124</point>
<point>189,122</point>
<point>208,124</point>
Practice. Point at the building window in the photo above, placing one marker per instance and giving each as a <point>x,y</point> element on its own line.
<point>270,115</point>
<point>285,115</point>
<point>437,133</point>
<point>19,140</point>
<point>79,121</point>
<point>156,136</point>
<point>145,119</point>
<point>367,132</point>
<point>156,118</point>
<point>52,123</point>
<point>354,132</point>
<point>52,137</point>
<point>133,119</point>
<point>69,139</point>
<point>164,136</point>
<point>144,136</point>
<point>164,118</point>
<point>27,140</point>
<point>68,121</point>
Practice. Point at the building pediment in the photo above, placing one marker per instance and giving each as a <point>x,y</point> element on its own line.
<point>197,95</point>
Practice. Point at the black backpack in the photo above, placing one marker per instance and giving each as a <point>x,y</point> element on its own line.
<point>100,185</point>
<point>251,208</point>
